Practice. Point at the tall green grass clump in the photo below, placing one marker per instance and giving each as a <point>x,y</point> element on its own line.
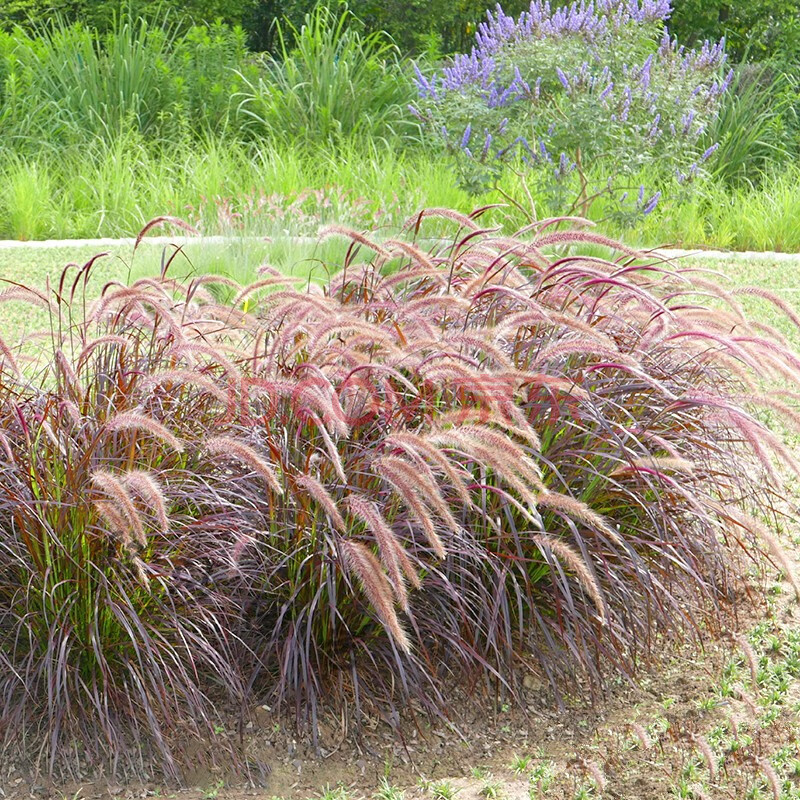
<point>461,456</point>
<point>752,125</point>
<point>330,82</point>
<point>67,83</point>
<point>220,185</point>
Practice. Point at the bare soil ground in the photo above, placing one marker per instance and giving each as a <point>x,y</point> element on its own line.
<point>719,723</point>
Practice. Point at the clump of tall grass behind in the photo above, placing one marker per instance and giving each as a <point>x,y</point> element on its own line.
<point>752,125</point>
<point>61,84</point>
<point>453,460</point>
<point>66,83</point>
<point>330,82</point>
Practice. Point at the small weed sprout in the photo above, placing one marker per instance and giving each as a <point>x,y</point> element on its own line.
<point>333,793</point>
<point>520,764</point>
<point>443,790</point>
<point>542,776</point>
<point>386,791</point>
<point>492,789</point>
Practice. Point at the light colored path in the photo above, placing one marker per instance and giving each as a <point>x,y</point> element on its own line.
<point>730,255</point>
<point>53,244</point>
<point>12,244</point>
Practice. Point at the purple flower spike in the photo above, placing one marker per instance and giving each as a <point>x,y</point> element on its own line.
<point>651,203</point>
<point>487,143</point>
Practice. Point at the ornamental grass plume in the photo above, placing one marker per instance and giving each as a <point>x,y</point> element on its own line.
<point>393,554</point>
<point>227,447</point>
<point>571,559</point>
<point>124,507</point>
<point>104,519</point>
<point>363,565</point>
<point>750,656</point>
<point>775,784</point>
<point>130,420</point>
<point>645,742</point>
<point>461,456</point>
<point>145,486</point>
<point>708,755</point>
<point>317,491</point>
<point>596,772</point>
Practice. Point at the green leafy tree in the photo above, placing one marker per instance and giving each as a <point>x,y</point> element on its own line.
<point>36,11</point>
<point>418,25</point>
<point>760,30</point>
<point>435,26</point>
<point>101,13</point>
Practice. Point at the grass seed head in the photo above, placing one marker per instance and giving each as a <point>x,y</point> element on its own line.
<point>133,421</point>
<point>124,508</point>
<point>227,447</point>
<point>363,565</point>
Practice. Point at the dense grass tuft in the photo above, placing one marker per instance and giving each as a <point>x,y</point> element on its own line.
<point>458,457</point>
<point>330,84</point>
<point>108,618</point>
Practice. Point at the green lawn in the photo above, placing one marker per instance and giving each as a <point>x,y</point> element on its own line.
<point>779,275</point>
<point>240,260</point>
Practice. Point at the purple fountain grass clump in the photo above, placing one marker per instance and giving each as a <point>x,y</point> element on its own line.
<point>445,460</point>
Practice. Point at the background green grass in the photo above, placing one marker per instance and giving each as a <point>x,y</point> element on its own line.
<point>240,260</point>
<point>103,129</point>
<point>37,266</point>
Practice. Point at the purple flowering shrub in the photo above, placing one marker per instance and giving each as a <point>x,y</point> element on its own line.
<point>583,97</point>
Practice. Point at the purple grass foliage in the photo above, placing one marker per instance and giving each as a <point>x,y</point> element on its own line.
<point>451,461</point>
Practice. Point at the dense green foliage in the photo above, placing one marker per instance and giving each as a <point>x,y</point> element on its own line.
<point>761,30</point>
<point>416,25</point>
<point>223,187</point>
<point>63,84</point>
<point>329,82</point>
<point>103,13</point>
<point>182,117</point>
